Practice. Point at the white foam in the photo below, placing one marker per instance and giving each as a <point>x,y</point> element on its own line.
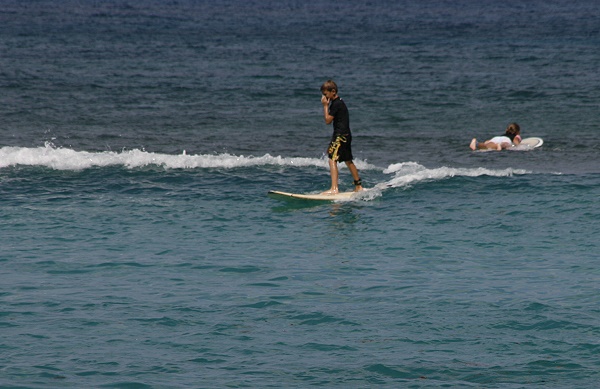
<point>68,159</point>
<point>404,174</point>
<point>408,173</point>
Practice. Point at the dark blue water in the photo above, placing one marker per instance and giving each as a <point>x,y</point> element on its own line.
<point>138,247</point>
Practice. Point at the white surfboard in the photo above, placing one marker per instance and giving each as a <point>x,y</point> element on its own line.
<point>312,196</point>
<point>532,142</point>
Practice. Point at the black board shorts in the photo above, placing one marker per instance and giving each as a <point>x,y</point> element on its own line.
<point>340,148</point>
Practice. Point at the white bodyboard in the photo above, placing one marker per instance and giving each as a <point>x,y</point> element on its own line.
<point>531,143</point>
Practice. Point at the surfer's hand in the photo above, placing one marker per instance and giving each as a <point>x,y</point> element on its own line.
<point>324,100</point>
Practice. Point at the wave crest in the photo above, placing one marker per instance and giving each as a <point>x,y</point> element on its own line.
<point>68,159</point>
<point>408,173</point>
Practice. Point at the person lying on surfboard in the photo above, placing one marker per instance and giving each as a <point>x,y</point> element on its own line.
<point>340,149</point>
<point>511,137</point>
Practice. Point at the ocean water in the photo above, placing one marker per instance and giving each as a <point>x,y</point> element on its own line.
<point>139,248</point>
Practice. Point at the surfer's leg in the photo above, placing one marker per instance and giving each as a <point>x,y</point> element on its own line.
<point>493,146</point>
<point>488,145</point>
<point>473,144</point>
<point>354,171</point>
<point>333,170</point>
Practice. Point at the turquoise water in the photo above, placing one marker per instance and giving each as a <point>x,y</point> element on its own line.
<point>139,248</point>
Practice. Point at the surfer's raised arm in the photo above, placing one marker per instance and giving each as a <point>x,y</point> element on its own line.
<point>325,101</point>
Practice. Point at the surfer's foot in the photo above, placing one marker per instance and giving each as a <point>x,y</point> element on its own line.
<point>473,144</point>
<point>330,192</point>
<point>358,185</point>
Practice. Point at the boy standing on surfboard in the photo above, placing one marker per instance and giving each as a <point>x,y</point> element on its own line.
<point>340,150</point>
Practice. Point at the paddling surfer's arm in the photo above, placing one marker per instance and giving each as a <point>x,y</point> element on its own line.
<point>328,117</point>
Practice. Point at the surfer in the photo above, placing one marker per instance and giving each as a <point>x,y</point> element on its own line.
<point>511,137</point>
<point>339,150</point>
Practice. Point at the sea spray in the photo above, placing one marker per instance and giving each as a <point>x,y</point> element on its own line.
<point>408,173</point>
<point>68,159</point>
